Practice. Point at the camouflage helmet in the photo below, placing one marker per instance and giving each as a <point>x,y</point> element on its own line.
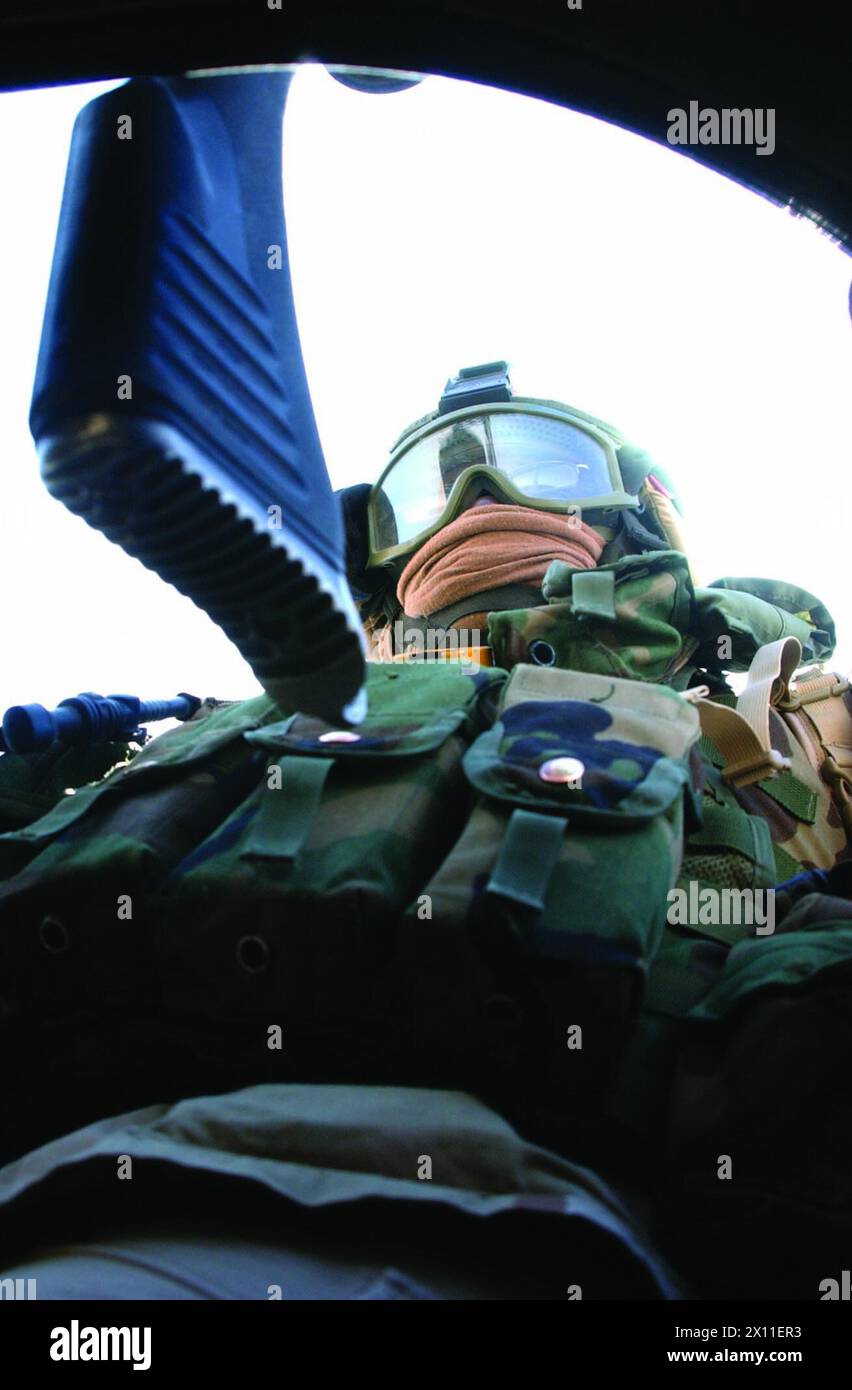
<point>523,450</point>
<point>526,450</point>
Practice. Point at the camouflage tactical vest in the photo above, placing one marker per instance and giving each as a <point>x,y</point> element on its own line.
<point>474,888</point>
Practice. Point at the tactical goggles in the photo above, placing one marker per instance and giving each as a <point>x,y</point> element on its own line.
<point>516,451</point>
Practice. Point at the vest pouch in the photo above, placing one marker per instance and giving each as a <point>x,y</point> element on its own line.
<point>288,914</point>
<point>629,619</point>
<point>728,867</point>
<point>74,925</point>
<point>529,965</point>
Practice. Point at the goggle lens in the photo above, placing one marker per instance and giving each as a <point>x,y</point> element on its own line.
<point>543,458</point>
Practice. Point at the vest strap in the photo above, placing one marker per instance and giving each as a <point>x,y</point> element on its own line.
<point>282,824</point>
<point>528,855</point>
<point>593,593</point>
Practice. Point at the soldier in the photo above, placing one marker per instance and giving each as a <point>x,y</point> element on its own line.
<point>519,933</point>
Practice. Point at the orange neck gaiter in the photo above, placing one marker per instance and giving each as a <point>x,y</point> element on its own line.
<point>488,546</point>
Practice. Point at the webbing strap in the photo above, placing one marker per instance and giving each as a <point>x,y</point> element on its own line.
<point>528,855</point>
<point>795,797</point>
<point>281,826</point>
<point>768,683</point>
<point>814,684</point>
<point>726,828</point>
<point>593,593</point>
<point>785,865</point>
<point>789,792</point>
<point>829,714</point>
<point>742,734</point>
<point>820,702</point>
<point>746,759</point>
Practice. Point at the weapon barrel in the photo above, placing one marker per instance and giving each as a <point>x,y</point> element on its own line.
<point>87,718</point>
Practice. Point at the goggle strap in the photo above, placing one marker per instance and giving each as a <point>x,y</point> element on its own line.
<point>645,539</point>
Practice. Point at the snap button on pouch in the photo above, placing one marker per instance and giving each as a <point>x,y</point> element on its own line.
<point>561,770</point>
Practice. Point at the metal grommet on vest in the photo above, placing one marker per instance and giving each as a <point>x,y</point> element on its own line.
<point>53,935</point>
<point>541,653</point>
<point>252,954</point>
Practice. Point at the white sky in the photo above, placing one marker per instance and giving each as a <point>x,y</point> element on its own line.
<point>432,229</point>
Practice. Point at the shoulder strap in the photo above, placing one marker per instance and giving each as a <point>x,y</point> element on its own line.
<point>746,759</point>
<point>742,734</point>
<point>768,683</point>
<point>821,719</point>
<point>814,709</point>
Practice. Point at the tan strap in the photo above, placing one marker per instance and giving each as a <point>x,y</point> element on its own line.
<point>742,735</point>
<point>768,684</point>
<point>812,683</point>
<point>815,685</point>
<point>833,721</point>
<point>817,703</point>
<point>746,759</point>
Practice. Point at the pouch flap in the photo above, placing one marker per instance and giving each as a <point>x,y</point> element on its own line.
<point>583,745</point>
<point>630,618</point>
<point>560,581</point>
<point>412,709</point>
<point>303,734</point>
